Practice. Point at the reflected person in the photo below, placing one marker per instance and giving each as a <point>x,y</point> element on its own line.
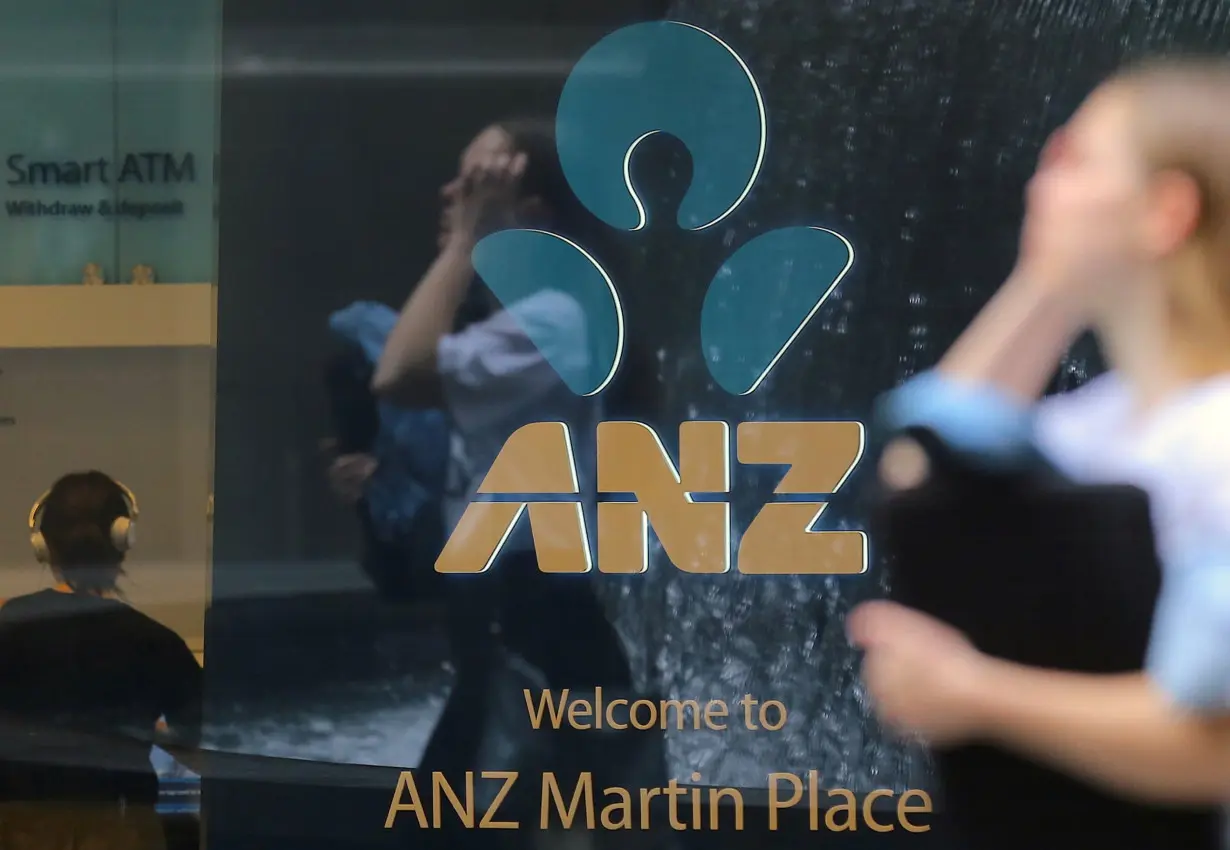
<point>492,379</point>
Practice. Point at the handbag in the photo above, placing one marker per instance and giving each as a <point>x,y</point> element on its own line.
<point>1047,573</point>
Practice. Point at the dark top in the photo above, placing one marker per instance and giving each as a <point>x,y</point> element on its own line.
<point>83,682</point>
<point>1039,571</point>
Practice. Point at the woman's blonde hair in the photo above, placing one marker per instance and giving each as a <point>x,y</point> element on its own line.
<point>1183,115</point>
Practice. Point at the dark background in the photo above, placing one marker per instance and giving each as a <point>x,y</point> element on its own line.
<point>909,127</point>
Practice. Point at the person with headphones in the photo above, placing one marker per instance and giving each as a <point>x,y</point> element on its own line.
<point>84,681</point>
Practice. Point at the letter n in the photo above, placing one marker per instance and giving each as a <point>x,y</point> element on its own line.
<point>694,535</point>
<point>537,459</point>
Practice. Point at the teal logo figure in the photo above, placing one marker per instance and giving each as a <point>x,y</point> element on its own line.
<point>674,78</point>
<point>661,77</point>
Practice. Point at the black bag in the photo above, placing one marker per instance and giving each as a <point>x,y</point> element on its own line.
<point>1036,570</point>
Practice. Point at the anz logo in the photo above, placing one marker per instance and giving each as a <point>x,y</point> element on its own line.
<point>674,78</point>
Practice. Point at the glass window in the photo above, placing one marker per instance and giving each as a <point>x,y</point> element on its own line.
<point>108,266</point>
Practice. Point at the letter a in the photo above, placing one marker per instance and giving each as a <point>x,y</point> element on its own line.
<point>405,782</point>
<point>537,459</point>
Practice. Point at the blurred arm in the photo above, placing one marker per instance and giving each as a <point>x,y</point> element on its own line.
<point>1163,734</point>
<point>979,398</point>
<point>1015,343</point>
<point>1121,732</point>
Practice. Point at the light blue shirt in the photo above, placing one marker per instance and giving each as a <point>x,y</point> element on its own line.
<point>497,378</point>
<point>1179,453</point>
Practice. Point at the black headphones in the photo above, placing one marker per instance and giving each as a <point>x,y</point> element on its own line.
<point>123,530</point>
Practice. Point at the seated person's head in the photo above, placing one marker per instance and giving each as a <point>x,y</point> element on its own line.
<point>85,526</point>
